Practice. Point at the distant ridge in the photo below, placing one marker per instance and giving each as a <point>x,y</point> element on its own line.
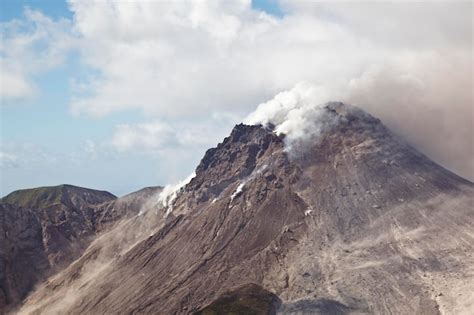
<point>43,229</point>
<point>49,195</point>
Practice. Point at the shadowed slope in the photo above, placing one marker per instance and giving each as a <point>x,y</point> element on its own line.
<point>46,228</point>
<point>42,229</point>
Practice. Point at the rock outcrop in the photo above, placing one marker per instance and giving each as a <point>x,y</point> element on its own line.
<point>45,229</point>
<point>23,258</point>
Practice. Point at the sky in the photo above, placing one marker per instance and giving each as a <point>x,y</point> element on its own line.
<point>120,95</point>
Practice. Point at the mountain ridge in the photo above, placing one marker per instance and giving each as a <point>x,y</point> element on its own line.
<point>39,196</point>
<point>43,229</point>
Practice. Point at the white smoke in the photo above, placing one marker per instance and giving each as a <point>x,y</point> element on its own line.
<point>238,191</point>
<point>168,195</point>
<point>246,180</point>
<point>294,113</point>
<point>400,97</point>
<point>428,100</point>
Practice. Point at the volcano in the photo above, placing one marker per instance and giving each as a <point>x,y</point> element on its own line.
<point>350,220</point>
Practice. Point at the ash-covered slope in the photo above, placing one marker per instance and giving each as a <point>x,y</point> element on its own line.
<point>66,214</point>
<point>109,213</point>
<point>44,229</point>
<point>348,220</point>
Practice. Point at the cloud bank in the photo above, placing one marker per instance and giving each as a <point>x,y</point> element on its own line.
<point>408,63</point>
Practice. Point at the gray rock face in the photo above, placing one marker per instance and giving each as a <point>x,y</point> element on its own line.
<point>355,221</point>
<point>109,213</point>
<point>66,214</point>
<point>42,230</point>
<point>23,258</point>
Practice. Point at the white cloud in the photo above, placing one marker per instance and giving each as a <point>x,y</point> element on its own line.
<point>152,135</point>
<point>14,86</point>
<point>179,54</point>
<point>182,61</point>
<point>29,47</point>
<point>185,59</point>
<point>195,57</point>
<point>24,154</point>
<point>402,23</point>
<point>158,136</point>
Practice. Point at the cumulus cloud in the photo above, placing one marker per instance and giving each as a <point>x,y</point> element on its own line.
<point>192,57</point>
<point>180,58</point>
<point>179,54</point>
<point>160,136</point>
<point>152,135</point>
<point>29,47</point>
<point>14,86</point>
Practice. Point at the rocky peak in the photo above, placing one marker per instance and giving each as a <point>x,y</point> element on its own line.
<point>234,159</point>
<point>246,140</point>
<point>257,149</point>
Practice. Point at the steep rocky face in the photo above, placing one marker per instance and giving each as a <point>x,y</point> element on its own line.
<point>44,229</point>
<point>352,221</point>
<point>108,213</point>
<point>66,214</point>
<point>23,258</point>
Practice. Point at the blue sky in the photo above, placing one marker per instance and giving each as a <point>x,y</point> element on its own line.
<point>12,9</point>
<point>120,95</point>
<point>45,122</point>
